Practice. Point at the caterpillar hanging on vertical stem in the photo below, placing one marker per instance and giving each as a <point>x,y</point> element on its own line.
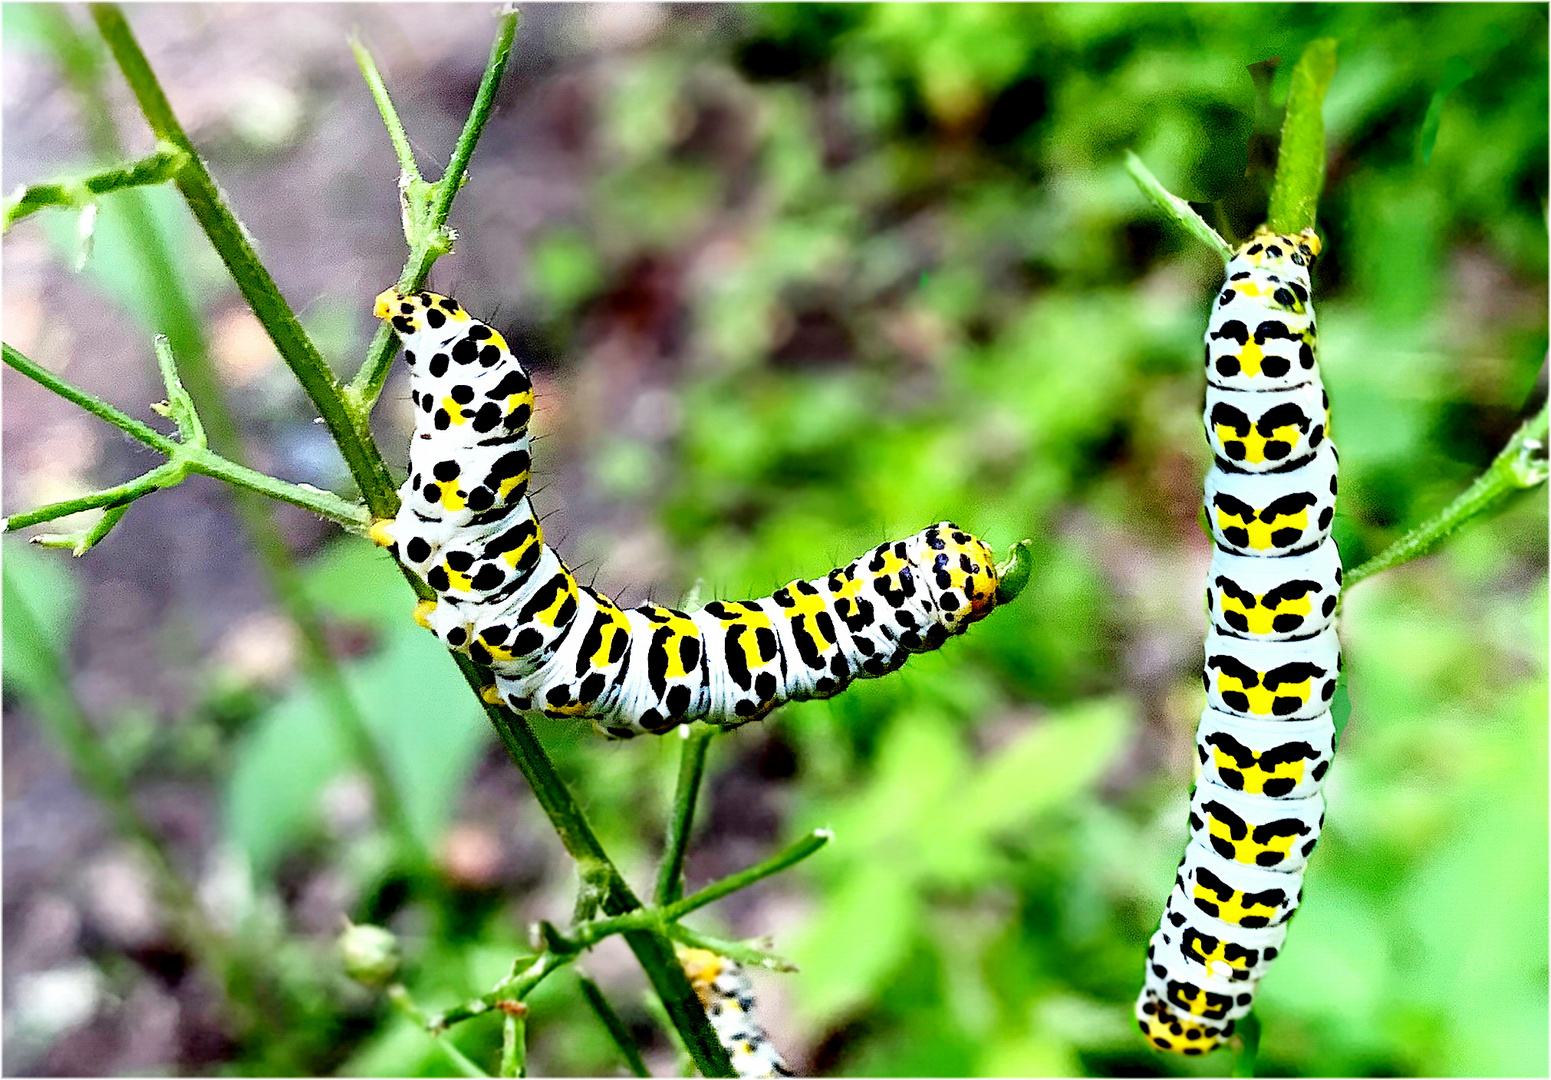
<point>1266,739</point>
<point>506,599</point>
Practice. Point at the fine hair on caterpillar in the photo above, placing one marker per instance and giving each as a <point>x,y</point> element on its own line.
<point>1272,658</point>
<point>466,526</point>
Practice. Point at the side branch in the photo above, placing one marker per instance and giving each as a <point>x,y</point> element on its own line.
<point>76,194</point>
<point>1520,465</point>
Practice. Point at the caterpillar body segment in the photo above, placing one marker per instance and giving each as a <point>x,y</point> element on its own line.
<point>727,995</point>
<point>1272,658</point>
<point>1286,511</point>
<point>507,599</point>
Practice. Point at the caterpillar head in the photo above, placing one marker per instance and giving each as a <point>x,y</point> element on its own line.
<point>419,311</point>
<point>1284,253</point>
<point>965,571</point>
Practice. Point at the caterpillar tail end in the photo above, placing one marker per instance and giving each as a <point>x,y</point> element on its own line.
<point>1013,574</point>
<point>1166,1028</point>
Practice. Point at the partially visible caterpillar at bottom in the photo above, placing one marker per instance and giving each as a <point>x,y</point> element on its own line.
<point>507,600</point>
<point>724,990</point>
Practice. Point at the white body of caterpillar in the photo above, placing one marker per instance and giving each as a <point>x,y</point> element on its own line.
<point>1266,739</point>
<point>507,599</point>
<point>727,995</point>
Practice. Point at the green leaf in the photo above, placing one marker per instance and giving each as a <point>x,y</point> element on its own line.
<point>1049,764</point>
<point>1455,71</point>
<point>1300,164</point>
<point>856,942</point>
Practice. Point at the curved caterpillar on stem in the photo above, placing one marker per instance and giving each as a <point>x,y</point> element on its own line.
<point>504,597</point>
<point>1266,739</point>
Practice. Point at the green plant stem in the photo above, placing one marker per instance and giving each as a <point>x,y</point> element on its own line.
<point>398,994</point>
<point>651,947</point>
<point>618,1033</point>
<point>177,316</point>
<point>427,244</point>
<point>514,1044</point>
<point>390,116</point>
<point>686,793</point>
<point>1175,208</point>
<point>1520,465</point>
<point>742,879</point>
<point>157,168</point>
<point>741,951</point>
<point>1300,162</point>
<point>230,239</point>
<point>191,458</point>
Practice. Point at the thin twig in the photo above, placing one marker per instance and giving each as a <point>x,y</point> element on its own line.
<point>156,168</point>
<point>365,388</point>
<point>670,872</point>
<point>1520,465</point>
<point>742,879</point>
<point>618,1033</point>
<point>1177,209</point>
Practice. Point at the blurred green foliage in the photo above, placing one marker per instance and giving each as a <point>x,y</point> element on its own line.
<point>916,283</point>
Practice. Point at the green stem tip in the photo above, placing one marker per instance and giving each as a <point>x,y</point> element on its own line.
<point>1013,574</point>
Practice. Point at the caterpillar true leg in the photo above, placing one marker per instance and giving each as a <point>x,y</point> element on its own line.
<point>506,598</point>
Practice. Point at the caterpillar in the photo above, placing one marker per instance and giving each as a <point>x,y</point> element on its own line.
<point>465,527</point>
<point>1266,738</point>
<point>724,990</point>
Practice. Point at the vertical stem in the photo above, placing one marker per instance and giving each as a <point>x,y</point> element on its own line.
<point>614,1025</point>
<point>231,242</point>
<point>652,949</point>
<point>176,316</point>
<point>670,872</point>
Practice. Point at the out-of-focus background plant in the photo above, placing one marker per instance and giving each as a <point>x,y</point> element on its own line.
<point>793,279</point>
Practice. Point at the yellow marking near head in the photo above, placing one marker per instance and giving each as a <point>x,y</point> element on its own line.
<point>1256,776</point>
<point>381,532</point>
<point>1167,1030</point>
<point>1250,358</point>
<point>703,968</point>
<point>491,695</point>
<point>1211,958</point>
<point>1246,849</point>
